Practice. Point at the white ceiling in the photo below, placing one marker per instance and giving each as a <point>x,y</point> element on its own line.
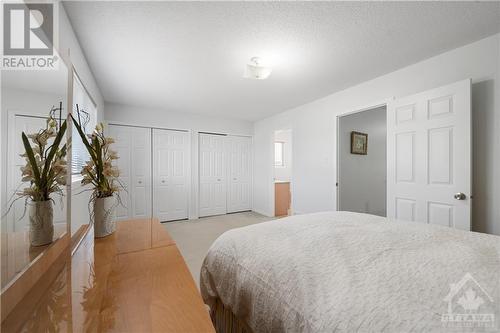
<point>189,56</point>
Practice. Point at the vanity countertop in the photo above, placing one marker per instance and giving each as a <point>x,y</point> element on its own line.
<point>281,181</point>
<point>134,280</point>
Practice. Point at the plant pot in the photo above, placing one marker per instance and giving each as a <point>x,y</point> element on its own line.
<point>41,216</point>
<point>104,216</point>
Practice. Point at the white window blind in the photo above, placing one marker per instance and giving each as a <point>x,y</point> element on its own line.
<point>79,154</point>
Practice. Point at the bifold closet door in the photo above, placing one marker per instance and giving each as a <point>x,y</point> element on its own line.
<point>170,174</point>
<point>212,170</point>
<point>240,176</point>
<point>133,145</point>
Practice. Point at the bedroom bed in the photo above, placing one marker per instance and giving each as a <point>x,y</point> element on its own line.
<point>342,271</point>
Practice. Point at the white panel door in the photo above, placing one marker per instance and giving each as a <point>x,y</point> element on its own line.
<point>140,175</point>
<point>429,156</point>
<point>123,140</point>
<point>240,176</point>
<point>170,174</point>
<point>212,169</point>
<point>133,145</point>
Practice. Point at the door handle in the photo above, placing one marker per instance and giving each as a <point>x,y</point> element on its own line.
<point>218,179</point>
<point>140,182</point>
<point>460,196</point>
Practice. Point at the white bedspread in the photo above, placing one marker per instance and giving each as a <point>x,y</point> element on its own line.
<point>345,272</point>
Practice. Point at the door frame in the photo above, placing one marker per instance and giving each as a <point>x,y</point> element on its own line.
<point>366,108</point>
<point>272,184</point>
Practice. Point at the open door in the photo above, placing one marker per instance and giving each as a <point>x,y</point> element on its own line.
<point>429,156</point>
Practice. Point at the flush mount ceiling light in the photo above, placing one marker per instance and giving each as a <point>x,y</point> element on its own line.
<point>254,70</point>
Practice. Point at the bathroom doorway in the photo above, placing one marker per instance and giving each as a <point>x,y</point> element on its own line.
<point>283,172</point>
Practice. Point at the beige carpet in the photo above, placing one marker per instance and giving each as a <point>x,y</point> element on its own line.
<point>195,237</point>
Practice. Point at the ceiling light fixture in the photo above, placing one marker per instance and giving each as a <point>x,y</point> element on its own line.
<point>254,70</point>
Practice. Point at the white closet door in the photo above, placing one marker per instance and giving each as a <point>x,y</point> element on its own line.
<point>170,174</point>
<point>240,177</point>
<point>133,145</point>
<point>140,176</point>
<point>429,156</point>
<point>212,168</point>
<point>122,144</point>
<point>18,216</point>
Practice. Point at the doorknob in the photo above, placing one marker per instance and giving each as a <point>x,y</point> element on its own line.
<point>140,182</point>
<point>460,196</point>
<point>218,179</point>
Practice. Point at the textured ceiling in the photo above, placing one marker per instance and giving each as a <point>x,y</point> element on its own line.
<point>189,56</point>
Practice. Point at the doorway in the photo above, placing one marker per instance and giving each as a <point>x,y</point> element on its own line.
<point>283,172</point>
<point>362,161</point>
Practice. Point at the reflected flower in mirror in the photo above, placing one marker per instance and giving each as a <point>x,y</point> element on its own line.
<point>45,170</point>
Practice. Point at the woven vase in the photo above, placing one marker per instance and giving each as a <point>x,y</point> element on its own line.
<point>104,216</point>
<point>41,216</point>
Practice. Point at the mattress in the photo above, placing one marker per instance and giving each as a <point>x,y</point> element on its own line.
<point>344,272</point>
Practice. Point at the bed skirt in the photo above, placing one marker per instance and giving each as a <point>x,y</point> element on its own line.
<point>225,321</point>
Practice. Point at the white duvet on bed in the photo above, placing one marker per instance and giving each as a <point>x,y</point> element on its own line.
<point>341,271</point>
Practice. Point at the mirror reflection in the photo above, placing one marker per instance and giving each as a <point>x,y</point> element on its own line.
<point>84,110</point>
<point>33,171</point>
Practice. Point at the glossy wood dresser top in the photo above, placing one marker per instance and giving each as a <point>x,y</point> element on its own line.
<point>132,281</point>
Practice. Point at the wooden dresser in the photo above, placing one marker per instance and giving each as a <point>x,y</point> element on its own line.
<point>132,281</point>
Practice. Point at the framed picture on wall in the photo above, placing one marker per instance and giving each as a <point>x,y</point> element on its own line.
<point>359,143</point>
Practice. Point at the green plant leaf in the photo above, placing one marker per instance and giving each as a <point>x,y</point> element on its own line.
<point>99,164</point>
<point>63,150</point>
<point>53,150</point>
<point>31,158</point>
<point>84,139</point>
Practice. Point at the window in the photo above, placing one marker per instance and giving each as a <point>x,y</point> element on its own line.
<point>279,154</point>
<point>79,154</point>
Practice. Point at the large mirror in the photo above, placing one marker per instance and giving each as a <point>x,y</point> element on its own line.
<point>28,97</point>
<point>85,112</point>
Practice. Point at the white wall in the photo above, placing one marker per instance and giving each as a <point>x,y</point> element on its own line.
<point>362,181</point>
<point>284,173</point>
<point>147,117</point>
<point>314,130</point>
